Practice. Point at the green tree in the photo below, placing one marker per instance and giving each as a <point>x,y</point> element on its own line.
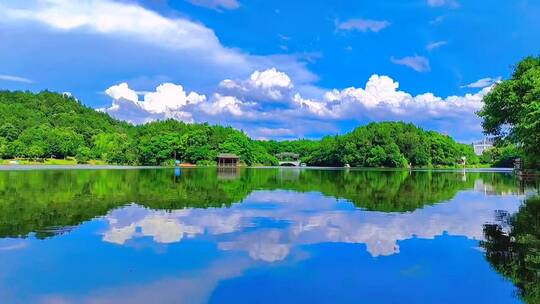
<point>4,148</point>
<point>512,109</point>
<point>114,148</point>
<point>238,143</point>
<point>64,142</point>
<point>9,132</point>
<point>84,154</point>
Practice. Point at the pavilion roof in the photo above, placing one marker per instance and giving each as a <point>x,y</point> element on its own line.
<point>228,155</point>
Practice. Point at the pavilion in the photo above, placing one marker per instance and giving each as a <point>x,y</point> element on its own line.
<point>228,160</point>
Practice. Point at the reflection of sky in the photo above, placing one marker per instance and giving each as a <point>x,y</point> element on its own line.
<point>271,222</point>
<point>246,253</point>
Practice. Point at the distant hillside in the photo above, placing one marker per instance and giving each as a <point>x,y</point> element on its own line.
<point>380,144</point>
<point>20,111</point>
<point>49,124</point>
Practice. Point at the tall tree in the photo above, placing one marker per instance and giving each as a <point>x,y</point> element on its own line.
<point>512,109</point>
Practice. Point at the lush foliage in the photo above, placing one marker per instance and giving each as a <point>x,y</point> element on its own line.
<point>385,144</point>
<point>55,125</point>
<point>512,109</point>
<point>501,156</point>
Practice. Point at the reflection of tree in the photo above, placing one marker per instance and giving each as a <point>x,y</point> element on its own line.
<point>34,201</point>
<point>513,248</point>
<point>390,191</point>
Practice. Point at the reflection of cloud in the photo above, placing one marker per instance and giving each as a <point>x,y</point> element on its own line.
<point>262,245</point>
<point>12,244</point>
<point>307,218</point>
<point>119,235</point>
<point>163,227</point>
<point>167,230</point>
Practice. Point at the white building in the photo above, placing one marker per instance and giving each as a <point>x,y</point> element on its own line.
<point>481,146</point>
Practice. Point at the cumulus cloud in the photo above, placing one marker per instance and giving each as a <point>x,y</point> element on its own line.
<point>363,25</point>
<point>435,45</point>
<point>223,105</point>
<point>216,4</point>
<point>382,100</point>
<point>482,83</point>
<point>268,105</point>
<point>417,63</point>
<point>15,78</point>
<point>168,101</point>
<point>269,84</point>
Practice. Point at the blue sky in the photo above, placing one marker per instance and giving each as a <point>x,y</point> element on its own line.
<point>275,69</point>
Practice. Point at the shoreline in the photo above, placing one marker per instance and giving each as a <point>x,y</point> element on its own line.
<point>126,167</point>
<point>73,167</point>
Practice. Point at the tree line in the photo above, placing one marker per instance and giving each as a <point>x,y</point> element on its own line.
<point>52,125</point>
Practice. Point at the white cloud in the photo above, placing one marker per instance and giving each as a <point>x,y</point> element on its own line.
<point>313,106</point>
<point>417,63</point>
<point>363,25</point>
<point>435,45</point>
<point>15,78</point>
<point>262,85</point>
<point>170,97</point>
<point>381,100</point>
<point>482,83</point>
<point>181,39</point>
<point>270,79</point>
<point>267,104</point>
<point>128,20</point>
<point>216,4</point>
<point>439,3</point>
<point>120,91</point>
<point>224,104</point>
<point>168,101</point>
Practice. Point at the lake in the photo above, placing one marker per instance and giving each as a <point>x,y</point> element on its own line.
<point>273,235</point>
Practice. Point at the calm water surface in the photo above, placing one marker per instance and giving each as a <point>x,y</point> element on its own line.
<point>267,236</point>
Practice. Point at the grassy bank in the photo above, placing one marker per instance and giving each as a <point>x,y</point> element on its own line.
<point>47,161</point>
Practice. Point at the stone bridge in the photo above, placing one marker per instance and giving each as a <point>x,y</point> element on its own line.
<point>288,159</point>
<point>292,163</point>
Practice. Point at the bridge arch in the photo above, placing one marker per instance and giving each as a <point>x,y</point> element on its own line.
<point>289,163</point>
<point>288,159</point>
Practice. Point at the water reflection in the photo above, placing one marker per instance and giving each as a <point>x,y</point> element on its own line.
<point>247,236</point>
<point>513,247</point>
<point>228,173</point>
<point>35,201</point>
<point>268,224</point>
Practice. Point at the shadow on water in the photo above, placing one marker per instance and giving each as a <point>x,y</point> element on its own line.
<point>512,247</point>
<point>39,201</point>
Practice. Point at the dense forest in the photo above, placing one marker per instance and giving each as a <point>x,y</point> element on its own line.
<point>52,125</point>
